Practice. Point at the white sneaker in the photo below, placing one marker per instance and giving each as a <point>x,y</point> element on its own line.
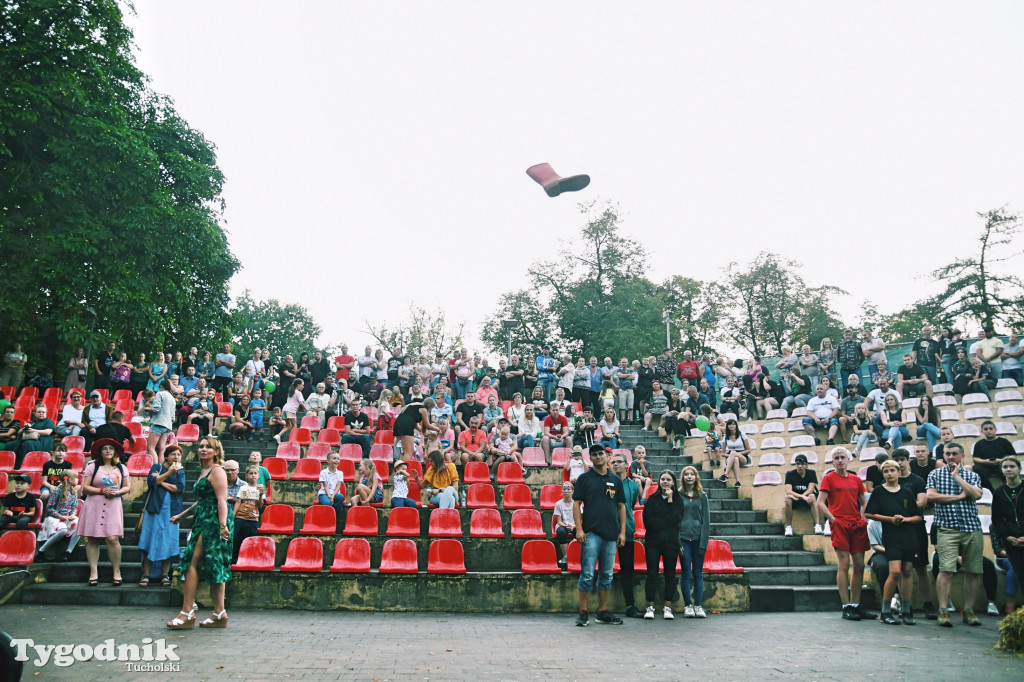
<point>649,613</point>
<point>789,531</point>
<point>894,605</point>
<point>698,612</point>
<point>817,529</point>
<point>827,530</point>
<point>688,611</point>
<point>992,610</point>
<point>668,613</point>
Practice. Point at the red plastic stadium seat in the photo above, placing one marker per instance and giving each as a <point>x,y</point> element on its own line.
<point>54,393</point>
<point>277,467</point>
<point>559,456</point>
<point>289,451</point>
<point>505,404</point>
<point>74,443</point>
<point>719,558</point>
<point>361,521</point>
<point>352,555</point>
<point>382,451</point>
<point>348,468</point>
<point>299,435</point>
<point>351,452</point>
<point>526,523</point>
<point>445,523</point>
<point>480,496</point>
<point>398,556</point>
<point>35,486</point>
<point>37,519</point>
<point>187,433</point>
<point>384,437</point>
<point>122,394</point>
<point>549,495</point>
<point>534,457</point>
<point>318,451</point>
<point>404,522</point>
<point>509,472</point>
<point>29,392</point>
<point>336,423</point>
<point>577,408</point>
<point>135,428</point>
<point>517,496</point>
<point>476,472</point>
<point>539,557</point>
<point>6,461</point>
<point>223,409</point>
<point>310,422</point>
<point>328,437</point>
<point>23,414</point>
<point>446,556</point>
<point>140,464</point>
<point>320,519</point>
<point>7,392</point>
<point>34,461</point>
<point>382,468</point>
<point>137,448</point>
<point>417,467</point>
<point>17,548</point>
<point>638,519</point>
<point>256,554</point>
<point>305,555</point>
<point>278,519</point>
<point>3,482</point>
<point>485,523</point>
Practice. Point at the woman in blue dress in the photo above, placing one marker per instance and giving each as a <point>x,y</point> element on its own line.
<point>159,538</point>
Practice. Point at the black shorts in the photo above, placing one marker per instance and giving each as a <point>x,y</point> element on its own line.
<point>801,504</point>
<point>921,554</point>
<point>897,553</point>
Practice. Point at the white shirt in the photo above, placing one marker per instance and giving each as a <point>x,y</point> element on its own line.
<point>822,408</point>
<point>877,398</point>
<point>335,481</point>
<point>71,413</point>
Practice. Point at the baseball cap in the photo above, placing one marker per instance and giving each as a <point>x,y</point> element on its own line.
<point>800,459</point>
<point>95,394</point>
<point>21,478</point>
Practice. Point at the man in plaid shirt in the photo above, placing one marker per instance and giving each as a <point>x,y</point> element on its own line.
<point>954,491</point>
<point>850,357</point>
<point>665,369</point>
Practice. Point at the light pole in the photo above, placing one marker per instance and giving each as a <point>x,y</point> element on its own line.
<point>667,316</point>
<point>88,342</point>
<point>508,326</point>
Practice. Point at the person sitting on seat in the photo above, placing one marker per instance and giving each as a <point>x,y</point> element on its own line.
<point>801,493</point>
<point>912,380</point>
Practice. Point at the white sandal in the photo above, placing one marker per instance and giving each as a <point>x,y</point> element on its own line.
<point>217,620</point>
<point>179,624</point>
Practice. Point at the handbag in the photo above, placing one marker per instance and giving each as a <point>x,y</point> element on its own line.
<point>142,514</point>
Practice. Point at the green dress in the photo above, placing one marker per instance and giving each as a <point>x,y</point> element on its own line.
<point>215,566</point>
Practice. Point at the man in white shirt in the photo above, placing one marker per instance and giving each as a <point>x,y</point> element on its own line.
<point>317,403</point>
<point>875,402</point>
<point>872,348</point>
<point>367,365</point>
<point>822,410</point>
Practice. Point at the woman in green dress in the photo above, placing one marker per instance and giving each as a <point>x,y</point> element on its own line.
<point>208,552</point>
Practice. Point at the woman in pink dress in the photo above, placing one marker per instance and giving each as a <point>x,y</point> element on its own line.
<point>104,482</point>
<point>77,367</point>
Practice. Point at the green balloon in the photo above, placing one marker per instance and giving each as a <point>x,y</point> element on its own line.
<point>4,404</point>
<point>270,386</point>
<point>702,423</point>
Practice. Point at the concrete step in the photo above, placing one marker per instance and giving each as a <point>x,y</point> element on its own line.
<point>768,559</point>
<point>762,543</point>
<point>786,598</point>
<point>791,575</point>
<point>101,595</point>
<point>720,529</point>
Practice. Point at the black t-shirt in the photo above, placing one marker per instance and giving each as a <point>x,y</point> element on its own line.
<point>997,448</point>
<point>914,483</point>
<point>912,372</point>
<point>118,432</point>
<point>53,473</point>
<point>23,504</point>
<point>393,365</point>
<point>357,420</point>
<point>888,503</point>
<point>469,411</point>
<point>926,350</point>
<point>318,371</point>
<point>802,485</point>
<point>512,384</point>
<point>875,476</point>
<point>601,497</point>
<point>922,471</point>
<point>104,361</point>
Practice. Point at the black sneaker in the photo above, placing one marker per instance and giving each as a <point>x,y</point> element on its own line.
<point>908,618</point>
<point>863,612</point>
<point>889,619</point>
<point>608,618</point>
<point>66,558</point>
<point>850,613</point>
<point>583,620</point>
<point>633,612</point>
<point>929,611</point>
<point>830,441</point>
<point>817,441</point>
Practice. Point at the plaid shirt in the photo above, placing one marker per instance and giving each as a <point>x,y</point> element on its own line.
<point>665,371</point>
<point>849,355</point>
<point>962,515</point>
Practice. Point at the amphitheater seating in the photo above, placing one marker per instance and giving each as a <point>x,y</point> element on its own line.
<point>771,427</point>
<point>718,558</point>
<point>446,557</point>
<point>445,523</point>
<point>256,554</point>
<point>399,556</point>
<point>36,485</point>
<point>534,457</point>
<point>328,437</point>
<point>977,413</point>
<point>403,522</point>
<point>361,521</point>
<point>803,441</point>
<point>638,521</point>
<point>974,399</point>
<point>223,410</point>
<point>300,435</point>
<point>383,452</point>
<point>508,473</point>
<point>351,452</point>
<point>480,496</point>
<point>771,459</point>
<point>1006,383</point>
<point>811,455</point>
<point>336,423</point>
<point>139,465</point>
<point>965,431</point>
<point>351,555</point>
<point>277,467</point>
<point>17,548</point>
<point>1008,396</point>
<point>74,443</point>
<point>771,442</point>
<point>318,451</point>
<point>1007,411</point>
<point>748,429</point>
<point>1018,447</point>
<point>517,496</point>
<point>549,495</point>
<point>986,496</point>
<point>7,459</point>
<point>540,558</point>
<point>319,519</point>
<point>949,415</point>
<point>559,456</point>
<point>527,523</point>
<point>278,519</point>
<point>767,478</point>
<point>911,403</point>
<point>942,388</point>
<point>3,482</point>
<point>288,452</point>
<point>944,401</point>
<point>485,523</point>
<point>476,472</point>
<point>34,462</point>
<point>1005,429</point>
<point>776,414</point>
<point>795,425</point>
<point>384,437</point>
<point>869,454</point>
<point>382,468</point>
<point>799,412</point>
<point>305,555</point>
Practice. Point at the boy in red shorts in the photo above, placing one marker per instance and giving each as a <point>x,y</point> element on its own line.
<point>841,501</point>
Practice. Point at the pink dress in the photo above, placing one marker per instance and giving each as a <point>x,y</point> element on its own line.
<point>101,517</point>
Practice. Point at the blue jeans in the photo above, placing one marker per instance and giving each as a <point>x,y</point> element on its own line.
<point>610,442</point>
<point>693,565</point>
<point>799,400</point>
<point>338,502</point>
<point>403,502</point>
<point>929,431</point>
<point>863,439</point>
<point>896,435</point>
<point>845,375</point>
<point>526,441</point>
<point>596,551</point>
<point>1014,373</point>
<point>363,441</point>
<point>996,370</point>
<point>462,386</point>
<point>445,499</point>
<point>947,367</point>
<point>547,386</point>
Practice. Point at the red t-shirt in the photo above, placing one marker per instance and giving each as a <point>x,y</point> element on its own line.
<point>687,370</point>
<point>343,360</point>
<point>470,442</point>
<point>557,426</point>
<point>843,495</point>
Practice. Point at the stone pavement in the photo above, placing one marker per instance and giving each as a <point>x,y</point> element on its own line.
<point>264,645</point>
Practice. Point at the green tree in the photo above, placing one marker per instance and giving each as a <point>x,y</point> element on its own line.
<point>765,303</point>
<point>109,200</point>
<point>423,333</point>
<point>281,328</point>
<point>695,309</point>
<point>534,325</point>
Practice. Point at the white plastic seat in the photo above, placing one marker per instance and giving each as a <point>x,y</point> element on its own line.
<point>748,429</point>
<point>986,522</point>
<point>949,415</point>
<point>795,425</point>
<point>726,416</point>
<point>776,414</point>
<point>1018,447</point>
<point>1008,396</point>
<point>944,401</point>
<point>800,412</point>
<point>767,478</point>
<point>803,441</point>
<point>771,459</point>
<point>771,427</point>
<point>911,403</point>
<point>811,455</point>
<point>986,496</point>
<point>1007,411</point>
<point>974,399</point>
<point>942,388</point>
<point>1005,429</point>
<point>965,431</point>
<point>869,454</point>
<point>773,442</point>
<point>977,413</point>
<point>1006,383</point>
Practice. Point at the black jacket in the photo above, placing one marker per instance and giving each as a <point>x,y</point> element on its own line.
<point>661,519</point>
<point>1007,517</point>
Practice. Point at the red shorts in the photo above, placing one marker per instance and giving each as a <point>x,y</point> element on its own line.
<point>851,536</point>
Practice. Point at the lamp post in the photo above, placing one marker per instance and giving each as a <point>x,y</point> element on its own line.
<point>508,326</point>
<point>667,316</point>
<point>88,342</point>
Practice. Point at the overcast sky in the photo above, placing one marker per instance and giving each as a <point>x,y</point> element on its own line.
<point>375,151</point>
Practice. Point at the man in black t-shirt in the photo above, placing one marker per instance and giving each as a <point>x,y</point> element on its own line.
<point>101,367</point>
<point>319,369</point>
<point>922,464</point>
<point>988,454</point>
<point>912,379</point>
<point>926,352</point>
<point>54,471</point>
<point>513,381</point>
<point>917,485</point>
<point>357,429</point>
<point>801,493</point>
<point>874,475</point>
<point>599,511</point>
<point>467,409</point>
<point>115,430</point>
<point>394,363</point>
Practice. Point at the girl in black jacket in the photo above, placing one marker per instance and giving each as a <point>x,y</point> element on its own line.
<point>1008,514</point>
<point>662,514</point>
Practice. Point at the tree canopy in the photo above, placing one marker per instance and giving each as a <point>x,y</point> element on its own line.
<point>110,202</point>
<point>281,328</point>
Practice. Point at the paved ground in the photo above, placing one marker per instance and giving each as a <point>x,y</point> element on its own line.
<point>264,645</point>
